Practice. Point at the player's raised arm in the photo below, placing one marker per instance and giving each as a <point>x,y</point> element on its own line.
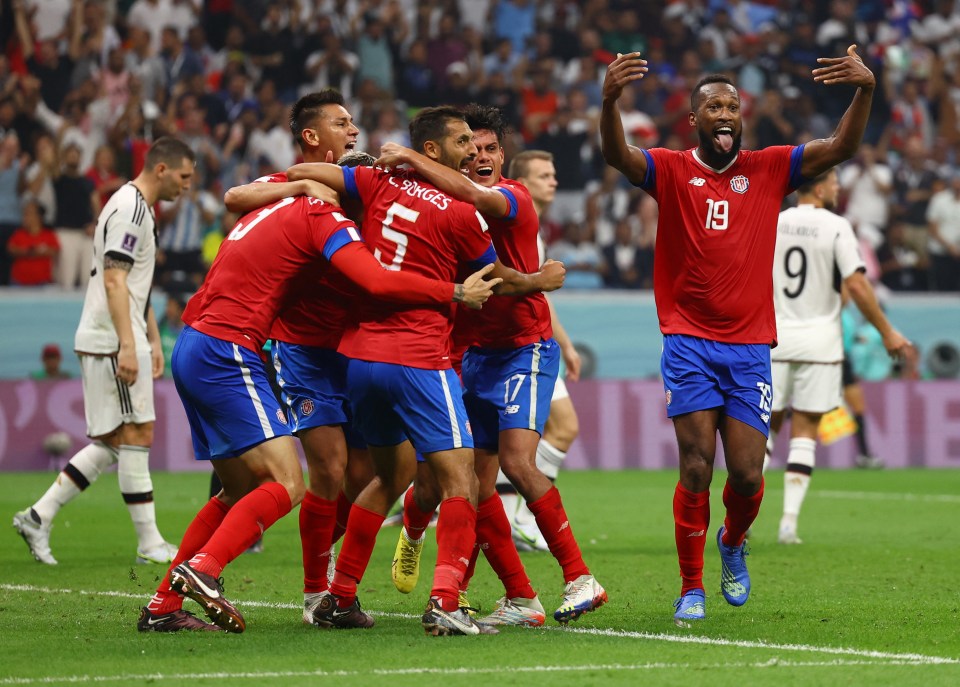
<point>549,278</point>
<point>324,172</point>
<point>489,201</point>
<point>824,153</point>
<point>627,159</point>
<point>257,194</point>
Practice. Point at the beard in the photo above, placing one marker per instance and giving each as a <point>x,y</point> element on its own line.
<point>709,143</point>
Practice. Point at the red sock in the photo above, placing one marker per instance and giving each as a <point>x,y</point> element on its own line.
<point>355,553</point>
<point>317,520</point>
<point>198,533</point>
<point>741,512</point>
<point>456,535</point>
<point>691,520</point>
<point>246,522</point>
<point>415,521</point>
<point>496,541</point>
<point>555,528</point>
<point>343,513</point>
<point>471,568</point>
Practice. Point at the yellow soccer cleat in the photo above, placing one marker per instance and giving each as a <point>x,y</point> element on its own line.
<point>406,562</point>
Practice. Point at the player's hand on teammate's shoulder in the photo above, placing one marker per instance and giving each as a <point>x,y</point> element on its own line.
<point>475,290</point>
<point>315,189</point>
<point>622,71</point>
<point>392,155</point>
<point>552,274</point>
<point>847,70</point>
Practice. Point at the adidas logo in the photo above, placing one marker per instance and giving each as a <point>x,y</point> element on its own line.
<point>697,181</point>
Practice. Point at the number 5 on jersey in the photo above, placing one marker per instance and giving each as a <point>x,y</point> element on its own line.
<point>396,211</point>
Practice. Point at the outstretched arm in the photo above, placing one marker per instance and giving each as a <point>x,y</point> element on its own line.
<point>824,153</point>
<point>627,159</point>
<point>324,172</point>
<point>257,194</point>
<point>489,201</point>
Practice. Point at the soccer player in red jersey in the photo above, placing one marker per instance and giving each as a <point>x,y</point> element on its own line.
<point>235,420</point>
<point>714,292</point>
<point>401,382</point>
<point>305,337</point>
<point>509,372</point>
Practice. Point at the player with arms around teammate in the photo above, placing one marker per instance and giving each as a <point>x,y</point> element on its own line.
<point>713,286</point>
<point>235,420</point>
<point>402,385</point>
<point>305,337</point>
<point>120,355</point>
<point>816,253</point>
<point>509,371</point>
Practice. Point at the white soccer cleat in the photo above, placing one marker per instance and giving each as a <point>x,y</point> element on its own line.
<point>580,596</point>
<point>35,534</point>
<point>788,535</point>
<point>158,555</point>
<point>310,603</point>
<point>516,611</point>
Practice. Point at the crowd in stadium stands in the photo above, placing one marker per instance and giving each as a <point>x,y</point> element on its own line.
<point>86,85</point>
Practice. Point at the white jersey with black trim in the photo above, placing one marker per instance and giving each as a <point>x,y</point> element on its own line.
<point>126,231</point>
<point>816,250</point>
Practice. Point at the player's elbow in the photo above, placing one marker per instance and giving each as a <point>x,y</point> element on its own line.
<point>233,200</point>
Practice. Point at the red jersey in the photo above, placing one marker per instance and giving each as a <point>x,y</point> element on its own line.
<point>712,274</point>
<point>510,321</point>
<point>32,270</point>
<point>315,310</point>
<point>415,228</point>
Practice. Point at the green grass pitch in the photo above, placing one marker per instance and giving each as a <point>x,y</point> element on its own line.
<point>869,598</point>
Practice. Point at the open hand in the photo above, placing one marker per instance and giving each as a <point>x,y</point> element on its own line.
<point>476,289</point>
<point>849,70</point>
<point>622,71</point>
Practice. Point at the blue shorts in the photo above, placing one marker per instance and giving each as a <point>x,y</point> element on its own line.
<point>392,403</point>
<point>509,389</point>
<point>226,395</point>
<point>314,385</point>
<point>699,374</point>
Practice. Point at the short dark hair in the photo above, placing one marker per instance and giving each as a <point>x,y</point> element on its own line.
<point>170,151</point>
<point>706,81</point>
<point>309,107</point>
<point>356,158</point>
<point>520,164</point>
<point>807,187</point>
<point>486,117</point>
<point>430,124</point>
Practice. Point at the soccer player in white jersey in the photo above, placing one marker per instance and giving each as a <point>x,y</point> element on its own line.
<point>535,170</point>
<point>120,355</point>
<point>816,254</point>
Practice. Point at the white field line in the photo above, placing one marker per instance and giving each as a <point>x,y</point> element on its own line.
<point>261,675</point>
<point>883,496</point>
<point>905,658</point>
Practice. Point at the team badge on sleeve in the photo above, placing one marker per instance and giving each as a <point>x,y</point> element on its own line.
<point>129,242</point>
<point>740,183</point>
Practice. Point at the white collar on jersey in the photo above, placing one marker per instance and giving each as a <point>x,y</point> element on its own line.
<point>718,171</point>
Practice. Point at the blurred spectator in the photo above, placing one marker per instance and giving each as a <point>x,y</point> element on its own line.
<point>271,140</point>
<point>104,175</point>
<point>32,248</point>
<point>170,326</point>
<point>145,64</point>
<point>566,142</point>
<point>272,51</point>
<point>389,128</point>
<point>943,215</point>
<point>12,167</point>
<point>45,61</point>
<point>866,184</point>
<point>625,266</point>
<point>902,268</point>
<point>332,67</point>
<point>375,55</point>
<point>514,20</point>
<point>41,173</point>
<point>608,202</point>
<point>913,182</point>
<point>910,116</point>
<point>51,359</point>
<point>579,253</point>
<point>48,18</point>
<point>447,49</point>
<point>153,16</point>
<point>775,124</point>
<point>184,225</point>
<point>77,206</point>
<point>179,61</point>
<point>415,81</point>
<point>503,61</point>
<point>538,101</point>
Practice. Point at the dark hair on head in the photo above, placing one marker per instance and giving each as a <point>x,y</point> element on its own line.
<point>305,111</point>
<point>520,164</point>
<point>356,158</point>
<point>169,150</point>
<point>486,117</point>
<point>706,81</point>
<point>807,187</point>
<point>430,124</point>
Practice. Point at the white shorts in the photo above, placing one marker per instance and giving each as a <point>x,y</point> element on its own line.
<point>108,402</point>
<point>559,391</point>
<point>809,387</point>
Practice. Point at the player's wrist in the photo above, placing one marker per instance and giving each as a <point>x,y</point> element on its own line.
<point>459,293</point>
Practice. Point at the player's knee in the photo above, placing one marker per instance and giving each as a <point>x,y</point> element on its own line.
<point>563,435</point>
<point>136,434</point>
<point>296,489</point>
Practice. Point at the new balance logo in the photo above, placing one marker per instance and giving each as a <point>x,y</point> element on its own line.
<point>697,181</point>
<point>512,409</point>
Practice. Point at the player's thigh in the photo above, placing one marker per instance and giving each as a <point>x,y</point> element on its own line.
<point>745,375</point>
<point>313,382</point>
<point>454,471</point>
<point>226,391</point>
<point>109,403</point>
<point>563,422</point>
<point>817,387</point>
<point>689,381</point>
<point>372,404</point>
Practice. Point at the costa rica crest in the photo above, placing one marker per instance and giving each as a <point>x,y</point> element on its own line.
<point>740,184</point>
<point>306,407</point>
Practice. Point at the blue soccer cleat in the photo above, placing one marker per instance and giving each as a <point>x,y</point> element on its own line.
<point>690,606</point>
<point>734,578</point>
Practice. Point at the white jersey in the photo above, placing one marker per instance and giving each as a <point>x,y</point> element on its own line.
<point>816,250</point>
<point>126,230</point>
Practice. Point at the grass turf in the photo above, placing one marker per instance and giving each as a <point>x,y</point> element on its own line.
<point>869,598</point>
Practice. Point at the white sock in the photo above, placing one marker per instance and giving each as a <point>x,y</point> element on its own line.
<point>511,502</point>
<point>137,490</point>
<point>549,459</point>
<point>79,473</point>
<point>800,464</point>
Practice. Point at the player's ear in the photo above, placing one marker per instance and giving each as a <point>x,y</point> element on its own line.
<point>309,137</point>
<point>432,150</point>
<point>693,119</point>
